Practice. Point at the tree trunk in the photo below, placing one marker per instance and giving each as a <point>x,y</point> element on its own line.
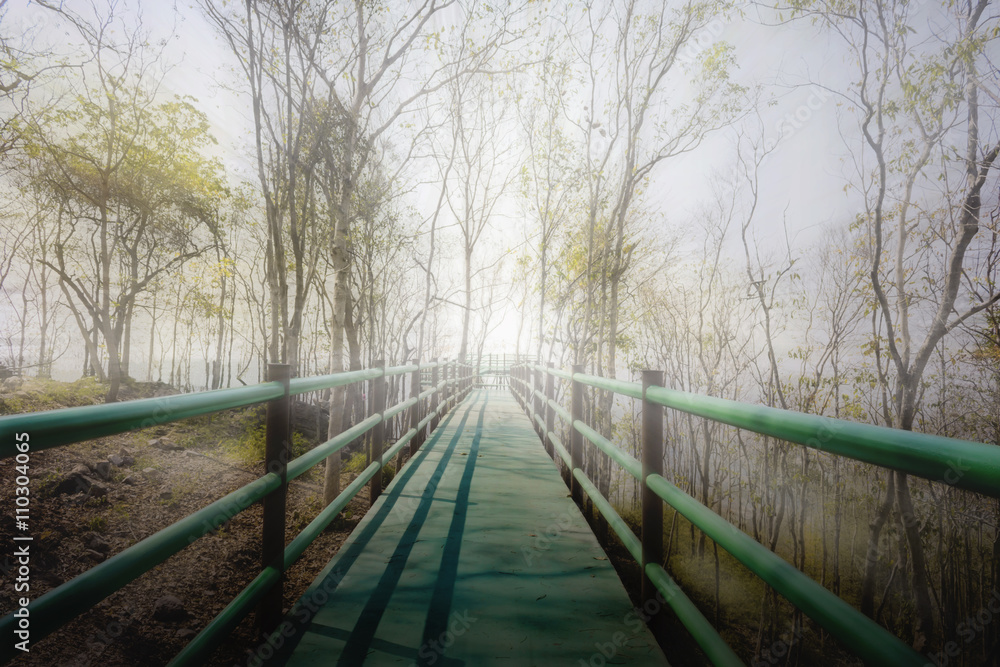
<point>871,554</point>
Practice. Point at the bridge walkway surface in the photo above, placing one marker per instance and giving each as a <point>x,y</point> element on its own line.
<point>473,555</point>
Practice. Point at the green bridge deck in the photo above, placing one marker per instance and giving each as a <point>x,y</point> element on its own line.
<point>473,555</point>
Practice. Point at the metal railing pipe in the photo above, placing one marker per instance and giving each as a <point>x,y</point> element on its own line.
<point>560,412</point>
<point>303,385</point>
<point>401,370</point>
<point>53,428</point>
<point>631,389</point>
<point>700,628</point>
<point>399,407</point>
<point>55,608</point>
<point>862,635</point>
<point>969,465</point>
<point>631,465</point>
<point>303,463</point>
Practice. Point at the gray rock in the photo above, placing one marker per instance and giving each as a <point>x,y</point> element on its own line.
<point>164,444</point>
<point>12,383</point>
<point>95,543</point>
<point>95,489</point>
<point>169,609</point>
<point>77,480</point>
<point>184,633</point>
<point>152,473</point>
<point>103,470</point>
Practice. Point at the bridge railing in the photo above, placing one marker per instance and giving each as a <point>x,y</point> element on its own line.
<point>449,382</point>
<point>493,370</point>
<point>929,456</point>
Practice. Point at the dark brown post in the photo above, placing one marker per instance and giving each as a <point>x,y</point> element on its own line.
<point>536,400</point>
<point>652,464</point>
<point>525,390</point>
<point>415,411</point>
<point>549,412</point>
<point>516,383</point>
<point>376,387</point>
<point>277,436</point>
<point>447,371</point>
<point>434,398</point>
<point>575,437</point>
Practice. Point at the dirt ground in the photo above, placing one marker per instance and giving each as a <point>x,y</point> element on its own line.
<point>175,469</point>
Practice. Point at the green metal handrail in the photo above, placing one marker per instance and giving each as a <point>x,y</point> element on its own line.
<point>974,466</point>
<point>54,428</point>
<point>60,605</point>
<point>863,635</point>
<point>320,382</point>
<point>199,648</point>
<point>700,628</point>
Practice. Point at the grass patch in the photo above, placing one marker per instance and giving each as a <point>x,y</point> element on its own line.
<point>250,446</point>
<point>357,463</point>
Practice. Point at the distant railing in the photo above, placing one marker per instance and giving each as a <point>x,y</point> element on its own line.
<point>493,370</point>
<point>929,456</point>
<point>449,382</point>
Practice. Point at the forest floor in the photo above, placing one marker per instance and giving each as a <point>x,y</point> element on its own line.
<point>165,473</point>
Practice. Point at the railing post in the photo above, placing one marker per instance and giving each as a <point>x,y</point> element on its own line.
<point>377,391</point>
<point>277,436</point>
<point>652,464</point>
<point>415,411</point>
<point>575,437</point>
<point>434,398</point>
<point>519,378</point>
<point>525,396</point>
<point>549,412</point>
<point>446,391</point>
<point>537,401</point>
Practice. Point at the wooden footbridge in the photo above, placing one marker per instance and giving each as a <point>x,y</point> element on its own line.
<point>477,553</point>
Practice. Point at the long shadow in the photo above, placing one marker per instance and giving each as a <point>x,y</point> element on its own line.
<point>302,613</point>
<point>358,644</point>
<point>436,625</point>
